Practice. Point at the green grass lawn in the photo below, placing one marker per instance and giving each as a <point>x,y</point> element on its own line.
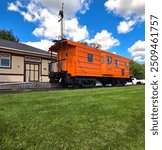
<point>84,119</point>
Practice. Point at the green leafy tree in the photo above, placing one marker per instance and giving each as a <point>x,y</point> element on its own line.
<point>8,35</point>
<point>83,42</point>
<point>96,45</point>
<point>137,70</point>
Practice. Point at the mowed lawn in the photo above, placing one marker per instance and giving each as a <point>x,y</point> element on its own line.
<point>83,119</point>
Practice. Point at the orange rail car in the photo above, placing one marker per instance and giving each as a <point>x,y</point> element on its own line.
<point>81,65</point>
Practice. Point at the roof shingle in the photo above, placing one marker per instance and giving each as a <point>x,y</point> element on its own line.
<point>22,47</point>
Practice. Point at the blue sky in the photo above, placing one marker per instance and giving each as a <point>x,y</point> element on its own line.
<point>118,25</point>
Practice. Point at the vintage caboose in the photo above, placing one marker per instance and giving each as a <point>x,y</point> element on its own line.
<point>81,65</point>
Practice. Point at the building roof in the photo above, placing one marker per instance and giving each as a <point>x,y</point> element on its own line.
<point>21,47</point>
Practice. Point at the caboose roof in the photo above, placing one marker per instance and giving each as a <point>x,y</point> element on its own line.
<point>61,43</point>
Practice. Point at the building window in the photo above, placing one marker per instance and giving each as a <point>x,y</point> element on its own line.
<point>126,65</point>
<point>5,60</point>
<point>102,60</point>
<point>117,63</point>
<point>109,60</point>
<point>90,57</point>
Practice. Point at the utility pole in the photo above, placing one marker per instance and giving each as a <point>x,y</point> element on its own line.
<point>61,14</point>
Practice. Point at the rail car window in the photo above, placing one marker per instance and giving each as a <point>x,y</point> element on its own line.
<point>126,64</point>
<point>123,72</point>
<point>90,57</point>
<point>109,59</point>
<point>116,63</point>
<point>102,60</point>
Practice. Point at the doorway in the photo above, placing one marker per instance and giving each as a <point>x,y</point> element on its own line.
<point>31,72</point>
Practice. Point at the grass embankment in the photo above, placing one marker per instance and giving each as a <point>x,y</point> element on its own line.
<point>86,119</point>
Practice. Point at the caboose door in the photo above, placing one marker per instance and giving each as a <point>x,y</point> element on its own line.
<point>62,60</point>
<point>103,66</point>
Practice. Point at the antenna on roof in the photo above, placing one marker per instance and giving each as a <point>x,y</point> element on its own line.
<point>61,14</point>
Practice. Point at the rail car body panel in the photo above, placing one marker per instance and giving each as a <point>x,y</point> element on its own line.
<point>82,61</point>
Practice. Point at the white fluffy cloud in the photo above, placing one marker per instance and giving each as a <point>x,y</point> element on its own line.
<point>45,14</point>
<point>132,11</point>
<point>43,44</point>
<point>127,8</point>
<point>105,39</point>
<point>75,31</point>
<point>13,7</point>
<point>70,7</point>
<point>125,26</point>
<point>137,50</point>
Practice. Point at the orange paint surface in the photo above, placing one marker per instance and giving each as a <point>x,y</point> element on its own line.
<point>73,59</point>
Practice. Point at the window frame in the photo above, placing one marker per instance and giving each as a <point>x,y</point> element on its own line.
<point>109,62</point>
<point>117,63</point>
<point>126,65</point>
<point>123,72</point>
<point>102,59</point>
<point>4,57</point>
<point>90,57</point>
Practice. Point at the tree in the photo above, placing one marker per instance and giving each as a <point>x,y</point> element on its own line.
<point>8,35</point>
<point>96,45</point>
<point>137,70</point>
<point>83,42</point>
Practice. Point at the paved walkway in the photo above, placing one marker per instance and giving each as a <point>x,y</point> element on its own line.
<point>25,85</point>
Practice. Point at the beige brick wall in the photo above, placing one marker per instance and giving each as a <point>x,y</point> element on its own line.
<point>45,67</point>
<point>44,71</point>
<point>44,79</point>
<point>11,78</point>
<point>17,67</point>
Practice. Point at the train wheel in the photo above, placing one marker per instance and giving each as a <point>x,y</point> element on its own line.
<point>113,82</point>
<point>123,82</point>
<point>118,82</point>
<point>103,84</point>
<point>87,84</point>
<point>76,85</point>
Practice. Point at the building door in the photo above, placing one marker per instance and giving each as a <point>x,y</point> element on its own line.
<point>31,72</point>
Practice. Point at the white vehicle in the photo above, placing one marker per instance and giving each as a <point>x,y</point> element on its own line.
<point>138,81</point>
